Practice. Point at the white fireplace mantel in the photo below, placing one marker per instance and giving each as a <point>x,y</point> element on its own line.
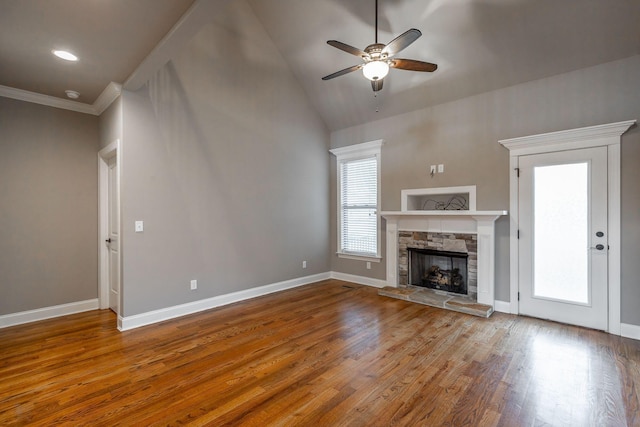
<point>481,223</point>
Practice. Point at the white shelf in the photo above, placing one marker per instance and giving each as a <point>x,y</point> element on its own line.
<point>442,214</point>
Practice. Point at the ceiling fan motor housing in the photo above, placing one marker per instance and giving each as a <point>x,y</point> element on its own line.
<point>375,52</point>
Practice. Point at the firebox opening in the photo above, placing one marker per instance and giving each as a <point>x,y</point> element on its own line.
<point>441,270</point>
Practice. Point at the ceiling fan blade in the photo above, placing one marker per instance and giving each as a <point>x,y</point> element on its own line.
<point>343,72</point>
<point>376,85</point>
<point>349,49</point>
<point>413,65</point>
<point>401,42</point>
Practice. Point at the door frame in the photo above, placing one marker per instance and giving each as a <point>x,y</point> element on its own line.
<point>608,135</point>
<point>108,152</point>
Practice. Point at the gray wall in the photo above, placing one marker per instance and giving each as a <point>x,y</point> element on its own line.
<point>464,134</point>
<point>48,206</point>
<point>227,165</point>
<point>110,123</point>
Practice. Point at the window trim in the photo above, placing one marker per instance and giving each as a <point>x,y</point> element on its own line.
<point>350,153</point>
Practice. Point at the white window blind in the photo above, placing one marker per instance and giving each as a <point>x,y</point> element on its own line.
<point>359,206</point>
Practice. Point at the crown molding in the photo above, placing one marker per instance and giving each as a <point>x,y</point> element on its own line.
<point>364,148</point>
<point>108,95</point>
<point>50,101</point>
<point>606,134</point>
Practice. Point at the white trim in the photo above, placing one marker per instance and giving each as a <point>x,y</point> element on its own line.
<point>113,149</point>
<point>361,280</point>
<point>106,98</point>
<point>359,257</point>
<point>50,101</point>
<point>614,229</point>
<point>587,137</point>
<point>155,316</point>
<point>630,331</point>
<point>108,95</point>
<point>514,254</point>
<point>502,306</point>
<point>444,215</point>
<point>609,135</point>
<point>29,316</point>
<point>364,149</point>
<point>350,153</point>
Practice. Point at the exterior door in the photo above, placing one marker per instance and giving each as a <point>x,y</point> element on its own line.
<point>113,240</point>
<point>563,236</point>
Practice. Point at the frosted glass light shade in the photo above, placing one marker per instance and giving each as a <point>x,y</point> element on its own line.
<point>375,70</point>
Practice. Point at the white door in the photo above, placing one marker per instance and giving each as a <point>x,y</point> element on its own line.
<point>563,251</point>
<point>113,239</point>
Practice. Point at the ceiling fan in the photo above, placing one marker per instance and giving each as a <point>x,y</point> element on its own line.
<point>378,58</point>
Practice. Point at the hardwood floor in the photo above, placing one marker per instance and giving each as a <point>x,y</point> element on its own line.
<point>327,354</point>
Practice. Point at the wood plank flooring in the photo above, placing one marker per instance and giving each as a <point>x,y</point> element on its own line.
<point>327,354</point>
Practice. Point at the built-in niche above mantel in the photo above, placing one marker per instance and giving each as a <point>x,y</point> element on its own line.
<point>413,217</point>
<point>439,199</point>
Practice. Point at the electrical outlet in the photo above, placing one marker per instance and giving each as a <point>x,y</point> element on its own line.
<point>368,265</point>
<point>139,226</point>
<point>440,168</point>
<point>432,169</point>
<point>194,285</point>
<point>304,264</point>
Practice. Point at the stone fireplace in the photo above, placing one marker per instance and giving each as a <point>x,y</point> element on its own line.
<point>468,233</point>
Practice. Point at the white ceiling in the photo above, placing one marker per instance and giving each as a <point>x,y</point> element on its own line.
<point>479,45</point>
<point>111,38</point>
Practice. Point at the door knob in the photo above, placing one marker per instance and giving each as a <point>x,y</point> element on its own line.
<point>108,240</point>
<point>598,247</point>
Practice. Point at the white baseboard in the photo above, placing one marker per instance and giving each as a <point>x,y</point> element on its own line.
<point>502,306</point>
<point>19,318</point>
<point>150,317</point>
<point>361,280</point>
<point>630,331</point>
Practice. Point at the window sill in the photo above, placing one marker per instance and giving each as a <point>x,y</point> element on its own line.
<point>370,258</point>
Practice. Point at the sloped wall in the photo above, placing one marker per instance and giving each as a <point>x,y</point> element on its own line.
<point>227,165</point>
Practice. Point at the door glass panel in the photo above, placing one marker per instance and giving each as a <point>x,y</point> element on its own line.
<point>561,232</point>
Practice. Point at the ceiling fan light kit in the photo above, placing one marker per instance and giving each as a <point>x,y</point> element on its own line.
<point>377,57</point>
<point>375,70</point>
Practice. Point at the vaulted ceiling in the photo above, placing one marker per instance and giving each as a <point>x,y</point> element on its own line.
<point>479,45</point>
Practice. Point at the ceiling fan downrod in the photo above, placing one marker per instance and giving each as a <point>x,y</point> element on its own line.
<point>376,38</point>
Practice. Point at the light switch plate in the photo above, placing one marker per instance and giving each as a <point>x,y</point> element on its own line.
<point>440,168</point>
<point>139,226</point>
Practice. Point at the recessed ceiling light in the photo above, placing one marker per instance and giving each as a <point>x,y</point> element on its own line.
<point>73,94</point>
<point>63,54</point>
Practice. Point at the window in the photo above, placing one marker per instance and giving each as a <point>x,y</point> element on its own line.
<point>358,200</point>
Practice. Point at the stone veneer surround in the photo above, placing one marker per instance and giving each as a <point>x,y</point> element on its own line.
<point>453,242</point>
